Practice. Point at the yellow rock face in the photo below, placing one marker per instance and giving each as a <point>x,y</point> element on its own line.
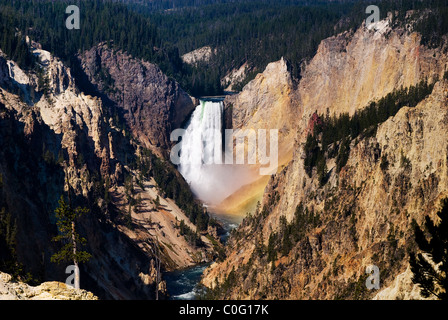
<point>347,72</point>
<point>267,102</point>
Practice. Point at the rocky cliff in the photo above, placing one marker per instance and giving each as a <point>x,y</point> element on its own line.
<point>267,102</point>
<point>353,68</point>
<point>362,215</point>
<point>200,55</point>
<point>52,133</point>
<point>152,104</point>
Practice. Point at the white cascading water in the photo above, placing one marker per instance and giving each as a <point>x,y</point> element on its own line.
<point>202,141</point>
<point>201,156</point>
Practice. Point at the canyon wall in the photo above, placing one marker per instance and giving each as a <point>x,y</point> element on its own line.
<point>55,137</point>
<point>267,102</point>
<point>361,215</point>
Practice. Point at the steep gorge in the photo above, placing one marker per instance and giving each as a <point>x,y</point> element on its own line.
<point>55,136</point>
<point>109,145</point>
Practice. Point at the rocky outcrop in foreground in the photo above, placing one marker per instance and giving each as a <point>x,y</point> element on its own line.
<point>53,290</point>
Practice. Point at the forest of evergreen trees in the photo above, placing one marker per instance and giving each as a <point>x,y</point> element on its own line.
<point>289,234</point>
<point>101,21</point>
<point>253,31</point>
<point>259,32</point>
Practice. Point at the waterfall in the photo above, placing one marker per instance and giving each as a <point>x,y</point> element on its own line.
<point>202,141</point>
<point>202,146</point>
<point>201,156</point>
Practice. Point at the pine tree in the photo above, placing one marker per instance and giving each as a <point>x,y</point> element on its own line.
<point>430,270</point>
<point>322,171</point>
<point>66,224</point>
<point>156,202</point>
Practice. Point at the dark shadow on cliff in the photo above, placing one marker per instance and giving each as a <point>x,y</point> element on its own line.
<point>31,184</point>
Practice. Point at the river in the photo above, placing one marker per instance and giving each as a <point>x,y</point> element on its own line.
<point>181,284</point>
